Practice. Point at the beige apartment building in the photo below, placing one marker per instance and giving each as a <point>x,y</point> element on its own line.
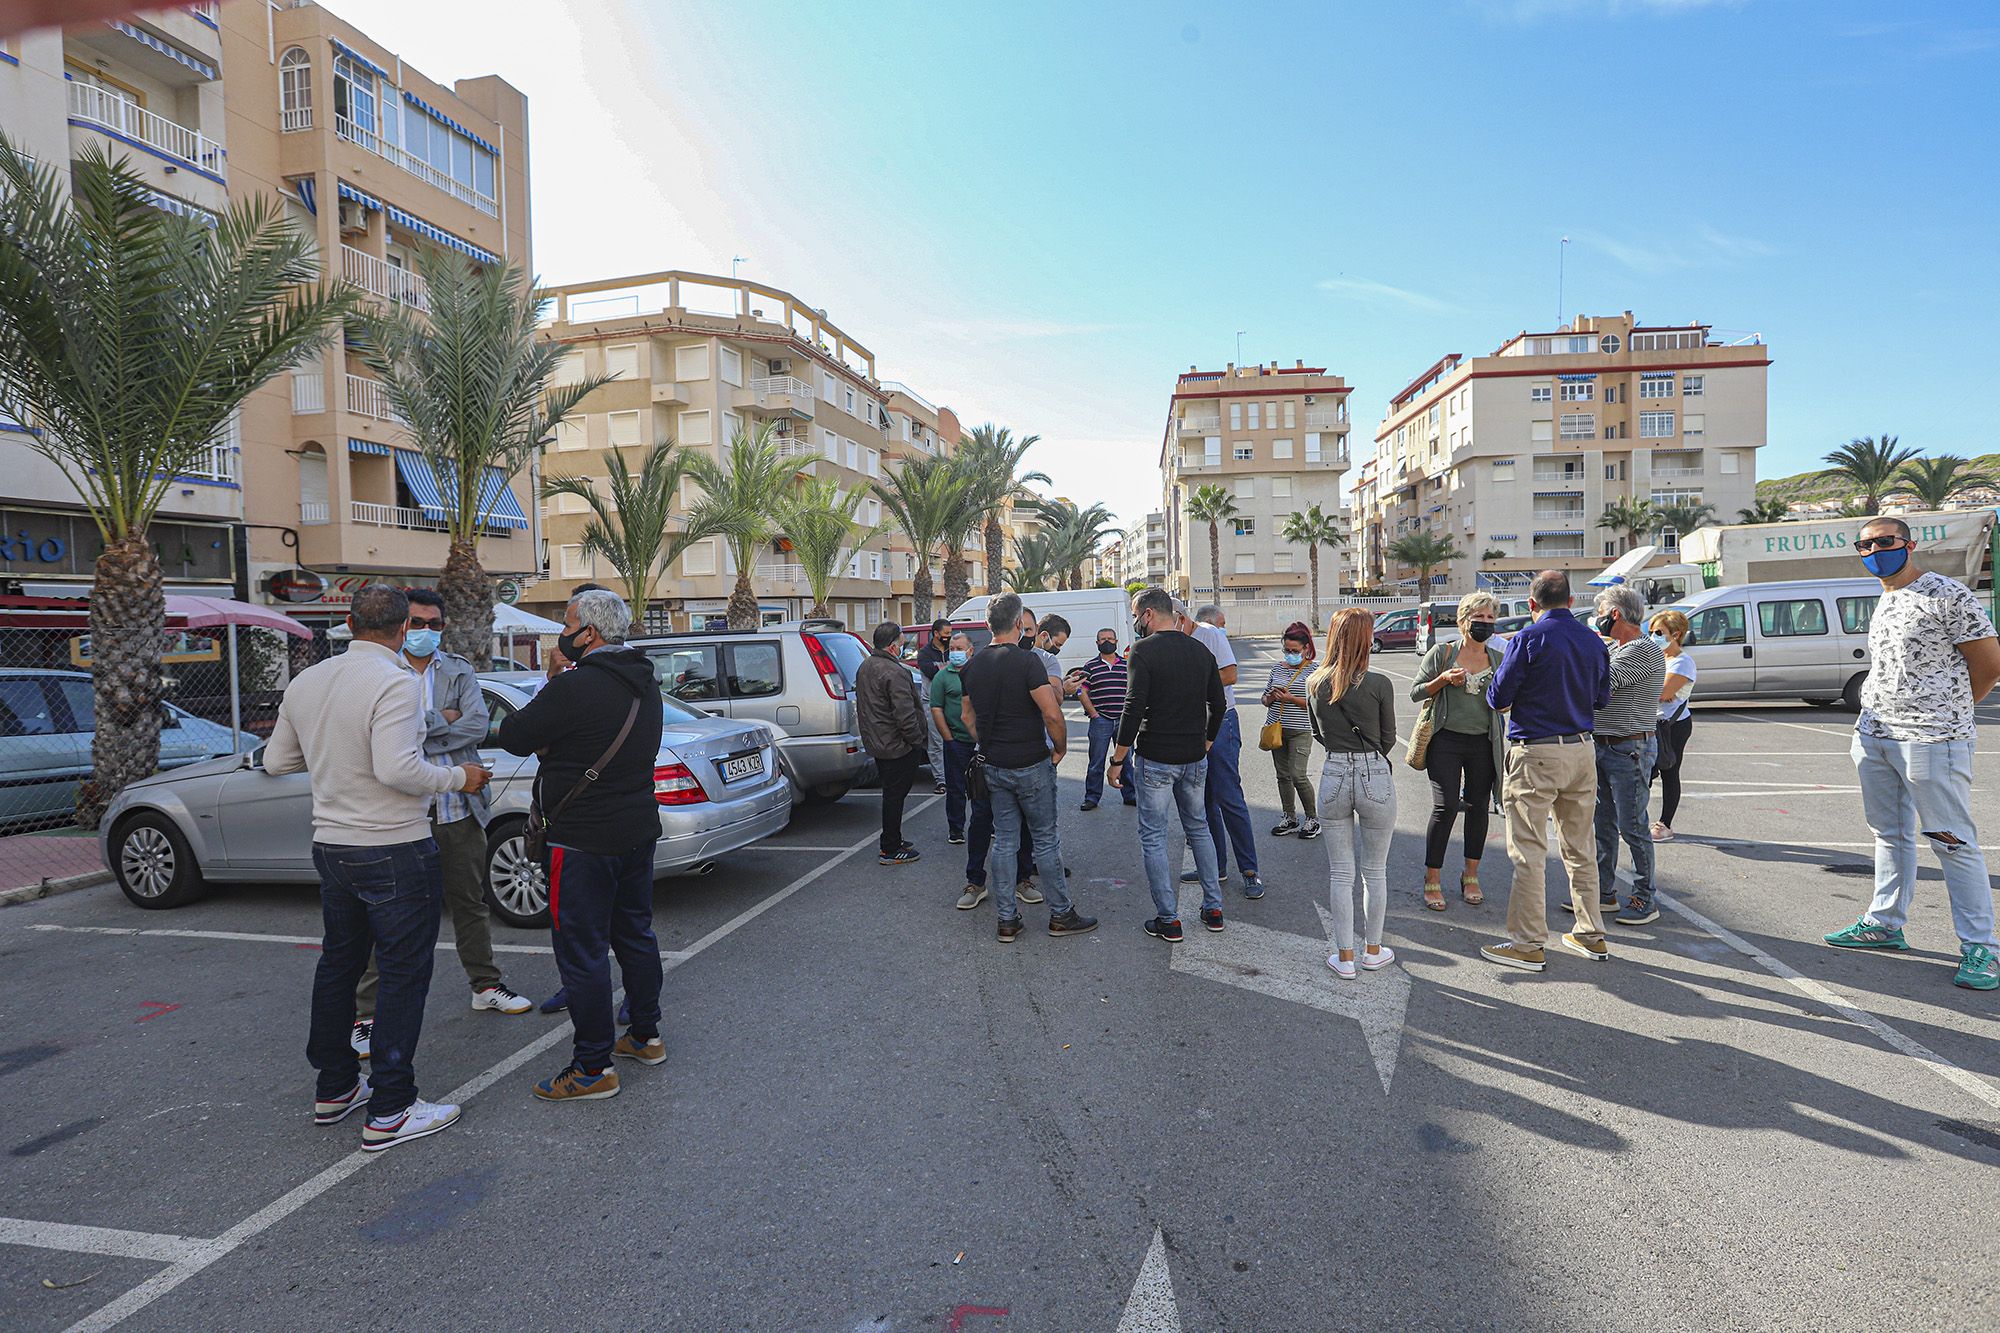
<point>700,359</point>
<point>1513,456</point>
<point>1276,439</point>
<point>1143,551</point>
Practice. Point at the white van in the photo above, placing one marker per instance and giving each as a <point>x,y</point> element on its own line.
<point>1806,639</point>
<point>1087,610</point>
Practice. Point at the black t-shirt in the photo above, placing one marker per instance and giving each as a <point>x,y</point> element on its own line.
<point>998,680</point>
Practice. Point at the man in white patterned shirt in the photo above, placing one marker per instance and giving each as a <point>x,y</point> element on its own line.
<point>1933,656</point>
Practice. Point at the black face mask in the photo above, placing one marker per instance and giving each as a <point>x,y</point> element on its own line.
<point>566,644</point>
<point>1605,623</point>
<point>1107,647</point>
<point>1481,630</point>
<point>1139,629</point>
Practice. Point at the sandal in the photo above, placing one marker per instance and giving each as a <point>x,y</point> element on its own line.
<point>1468,889</point>
<point>1435,903</point>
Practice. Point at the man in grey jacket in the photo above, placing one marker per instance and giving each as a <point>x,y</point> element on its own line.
<point>455,725</point>
<point>892,731</point>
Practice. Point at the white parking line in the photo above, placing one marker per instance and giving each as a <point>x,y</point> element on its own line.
<point>250,936</point>
<point>207,1252</point>
<point>1733,782</point>
<point>99,1240</point>
<point>1796,726</point>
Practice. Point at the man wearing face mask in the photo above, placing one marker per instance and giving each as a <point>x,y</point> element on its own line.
<point>1625,736</point>
<point>1933,656</point>
<point>1102,689</point>
<point>947,697</point>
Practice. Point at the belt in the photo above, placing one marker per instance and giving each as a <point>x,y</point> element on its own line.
<point>1613,740</point>
<point>1576,738</point>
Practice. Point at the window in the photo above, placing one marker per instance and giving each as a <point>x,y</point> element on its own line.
<point>1540,393</point>
<point>1694,423</point>
<point>1281,448</point>
<point>1792,618</point>
<point>1656,425</point>
<point>1211,451</point>
<point>1691,386</point>
<point>1291,416</point>
<point>1254,409</point>
<point>569,370</point>
<point>1579,425</point>
<point>1246,488</point>
<point>623,427</point>
<point>622,361</point>
<point>1246,527</point>
<point>1312,448</point>
<point>1503,468</point>
<point>571,435</point>
<point>827,388</point>
<point>850,401</point>
<point>1542,432</point>
<point>691,363</point>
<point>694,428</point>
<point>1281,488</point>
<point>1716,624</point>
<point>1281,563</point>
<point>686,673</point>
<point>295,90</point>
<point>1608,344</point>
<point>576,563</point>
<point>1243,453</point>
<point>871,462</point>
<point>1656,386</point>
<point>699,558</point>
<point>1856,613</point>
<point>1236,416</point>
<point>354,96</point>
<point>732,366</point>
<point>755,670</point>
<point>853,449</point>
<point>24,709</point>
<point>1578,391</point>
<point>1728,464</point>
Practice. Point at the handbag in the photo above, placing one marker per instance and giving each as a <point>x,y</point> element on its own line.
<point>1272,735</point>
<point>535,837</point>
<point>1420,735</point>
<point>976,785</point>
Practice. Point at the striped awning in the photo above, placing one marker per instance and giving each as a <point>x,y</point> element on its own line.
<point>497,506</point>
<point>1557,494</point>
<point>359,446</point>
<point>167,49</point>
<point>353,54</point>
<point>307,189</point>
<point>361,197</point>
<point>166,203</point>
<point>1559,532</point>
<point>412,223</point>
<point>1576,379</point>
<point>443,119</point>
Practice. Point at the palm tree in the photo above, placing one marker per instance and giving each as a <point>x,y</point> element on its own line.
<point>470,380</point>
<point>1425,550</point>
<point>1681,519</point>
<point>969,517</point>
<point>924,495</point>
<point>993,456</point>
<point>1872,466</point>
<point>1632,518</point>
<point>1769,509</point>
<point>741,497</point>
<point>824,527</point>
<point>1934,482</point>
<point>1312,528</point>
<point>1211,504</point>
<point>128,337</point>
<point>633,527</point>
<point>1074,537</point>
<point>1032,567</point>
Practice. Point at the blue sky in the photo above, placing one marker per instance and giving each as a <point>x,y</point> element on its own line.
<point>1039,213</point>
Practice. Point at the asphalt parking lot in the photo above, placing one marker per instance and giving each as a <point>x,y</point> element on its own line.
<point>874,1117</point>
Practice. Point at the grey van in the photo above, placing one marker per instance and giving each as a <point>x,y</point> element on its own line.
<point>1806,639</point>
<point>797,677</point>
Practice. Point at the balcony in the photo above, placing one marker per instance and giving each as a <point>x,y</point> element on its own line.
<point>314,513</point>
<point>795,446</point>
<point>379,277</point>
<point>416,520</point>
<point>367,138</point>
<point>780,579</point>
<point>1559,476</point>
<point>778,396</point>
<point>217,463</point>
<point>1678,470</point>
<point>1326,420</point>
<point>366,397</point>
<point>308,392</point>
<point>1194,429</point>
<point>100,108</point>
<point>1200,463</point>
<point>1559,518</point>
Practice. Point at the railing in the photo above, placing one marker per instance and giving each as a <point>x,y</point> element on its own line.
<point>217,463</point>
<point>773,574</point>
<point>795,446</point>
<point>1558,518</point>
<point>1559,478</point>
<point>107,110</point>
<point>1203,464</point>
<point>774,385</point>
<point>368,398</point>
<point>1191,427</point>
<point>1325,420</point>
<point>295,118</point>
<point>383,279</point>
<point>308,392</point>
<point>416,520</point>
<point>313,513</point>
<point>1679,471</point>
<point>416,166</point>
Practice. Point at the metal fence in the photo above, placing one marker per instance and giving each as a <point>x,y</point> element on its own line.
<point>1270,615</point>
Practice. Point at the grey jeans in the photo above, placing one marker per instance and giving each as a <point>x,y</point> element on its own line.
<point>462,855</point>
<point>1357,802</point>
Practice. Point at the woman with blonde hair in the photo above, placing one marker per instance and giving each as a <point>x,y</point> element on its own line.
<point>1467,746</point>
<point>1669,629</point>
<point>1354,717</point>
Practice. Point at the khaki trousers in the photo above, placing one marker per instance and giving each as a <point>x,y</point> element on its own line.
<point>462,855</point>
<point>1544,780</point>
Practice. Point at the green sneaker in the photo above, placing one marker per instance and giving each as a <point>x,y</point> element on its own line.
<point>1865,934</point>
<point>1977,969</point>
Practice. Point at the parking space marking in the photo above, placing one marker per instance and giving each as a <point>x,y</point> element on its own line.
<point>99,1240</point>
<point>205,1253</point>
<point>1796,726</point>
<point>791,847</point>
<point>250,936</point>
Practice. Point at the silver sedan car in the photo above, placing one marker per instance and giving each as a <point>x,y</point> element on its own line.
<point>227,819</point>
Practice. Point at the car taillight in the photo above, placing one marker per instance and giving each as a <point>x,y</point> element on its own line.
<point>829,670</point>
<point>673,784</point>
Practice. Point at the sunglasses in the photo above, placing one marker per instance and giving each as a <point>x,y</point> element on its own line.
<point>418,622</point>
<point>1867,544</point>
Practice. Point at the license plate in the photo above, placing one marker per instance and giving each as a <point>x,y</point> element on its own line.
<point>741,766</point>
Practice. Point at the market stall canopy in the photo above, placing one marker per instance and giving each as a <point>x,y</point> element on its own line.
<point>209,612</point>
<point>513,620</point>
<point>1953,542</point>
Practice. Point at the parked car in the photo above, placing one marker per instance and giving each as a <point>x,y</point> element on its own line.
<point>1805,639</point>
<point>48,720</point>
<point>1506,627</point>
<point>797,676</point>
<point>1396,629</point>
<point>718,782</point>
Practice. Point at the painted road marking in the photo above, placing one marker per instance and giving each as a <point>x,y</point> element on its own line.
<point>207,1252</point>
<point>245,935</point>
<point>99,1240</point>
<point>1733,782</point>
<point>1150,1308</point>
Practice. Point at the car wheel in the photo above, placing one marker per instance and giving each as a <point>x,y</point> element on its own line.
<point>1380,647</point>
<point>1851,696</point>
<point>516,889</point>
<point>827,793</point>
<point>153,863</point>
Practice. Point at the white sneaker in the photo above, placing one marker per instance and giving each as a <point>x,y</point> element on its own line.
<point>1343,970</point>
<point>415,1121</point>
<point>334,1110</point>
<point>1381,958</point>
<point>499,997</point>
<point>1661,833</point>
<point>361,1037</point>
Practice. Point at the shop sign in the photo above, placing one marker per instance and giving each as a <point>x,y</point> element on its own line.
<point>38,543</point>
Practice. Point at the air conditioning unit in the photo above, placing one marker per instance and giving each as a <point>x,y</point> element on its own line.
<point>353,217</point>
<point>780,367</point>
<point>1309,399</point>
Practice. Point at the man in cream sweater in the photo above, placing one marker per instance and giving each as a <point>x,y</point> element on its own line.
<point>355,723</point>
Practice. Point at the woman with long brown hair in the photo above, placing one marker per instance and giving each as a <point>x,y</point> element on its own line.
<point>1354,716</point>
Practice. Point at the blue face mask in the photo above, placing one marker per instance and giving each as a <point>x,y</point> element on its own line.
<point>957,657</point>
<point>1293,659</point>
<point>421,642</point>
<point>1886,564</point>
<point>1660,639</point>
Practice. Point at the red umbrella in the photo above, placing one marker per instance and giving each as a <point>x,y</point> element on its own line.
<point>208,612</point>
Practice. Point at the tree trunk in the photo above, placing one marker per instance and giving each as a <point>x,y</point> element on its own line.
<point>128,610</point>
<point>1312,559</point>
<point>468,605</point>
<point>957,585</point>
<point>742,601</point>
<point>920,592</point>
<point>996,549</point>
<point>818,611</point>
<point>1215,560</point>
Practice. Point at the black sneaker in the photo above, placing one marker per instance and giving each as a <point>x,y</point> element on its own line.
<point>1009,930</point>
<point>1071,922</point>
<point>940,789</point>
<point>902,856</point>
<point>1166,928</point>
<point>1212,917</point>
<point>1088,806</point>
<point>956,837</point>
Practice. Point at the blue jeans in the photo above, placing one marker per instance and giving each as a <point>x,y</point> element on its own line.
<point>1228,812</point>
<point>979,838</point>
<point>387,900</point>
<point>957,754</point>
<point>599,903</point>
<point>1102,732</point>
<point>1624,779</point>
<point>1025,799</point>
<point>1910,788</point>
<point>1163,790</point>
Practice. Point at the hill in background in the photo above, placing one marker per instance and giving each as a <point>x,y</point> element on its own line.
<point>1818,488</point>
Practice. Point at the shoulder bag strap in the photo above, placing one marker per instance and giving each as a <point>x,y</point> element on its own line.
<point>1348,718</point>
<point>591,774</point>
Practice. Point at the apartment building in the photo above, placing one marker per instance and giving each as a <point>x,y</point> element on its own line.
<point>700,359</point>
<point>147,88</point>
<point>1514,455</point>
<point>1143,551</point>
<point>919,428</point>
<point>1275,438</point>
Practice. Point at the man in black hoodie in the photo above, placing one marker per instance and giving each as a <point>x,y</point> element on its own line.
<point>600,861</point>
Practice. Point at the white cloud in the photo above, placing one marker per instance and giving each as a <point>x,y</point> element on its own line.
<point>1369,292</point>
<point>1002,330</point>
<point>1703,246</point>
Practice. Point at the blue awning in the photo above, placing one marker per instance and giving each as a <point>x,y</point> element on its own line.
<point>1576,379</point>
<point>308,192</point>
<point>443,119</point>
<point>438,235</point>
<point>166,203</point>
<point>498,508</point>
<point>360,446</point>
<point>365,200</point>
<point>167,49</point>
<point>353,54</point>
<point>497,505</point>
<point>415,470</point>
<point>1560,532</point>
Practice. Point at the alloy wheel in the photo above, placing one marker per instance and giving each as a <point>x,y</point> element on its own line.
<point>517,881</point>
<point>146,862</point>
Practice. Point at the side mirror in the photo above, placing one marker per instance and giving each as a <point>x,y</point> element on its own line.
<point>254,758</point>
